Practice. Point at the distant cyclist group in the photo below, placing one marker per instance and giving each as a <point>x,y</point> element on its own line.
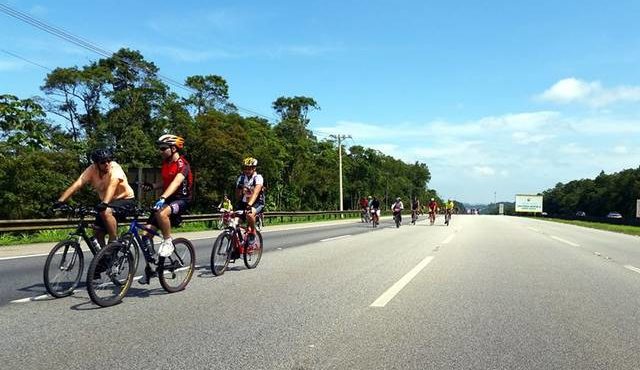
<point>117,202</point>
<point>370,210</point>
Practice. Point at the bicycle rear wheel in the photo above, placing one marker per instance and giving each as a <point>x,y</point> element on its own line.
<point>253,253</point>
<point>63,268</point>
<point>110,274</point>
<point>175,271</point>
<point>221,253</point>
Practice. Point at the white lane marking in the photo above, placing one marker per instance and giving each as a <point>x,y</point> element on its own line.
<point>30,255</point>
<point>533,229</point>
<point>448,239</point>
<point>634,269</point>
<point>41,297</point>
<point>336,238</point>
<point>397,287</point>
<point>565,241</point>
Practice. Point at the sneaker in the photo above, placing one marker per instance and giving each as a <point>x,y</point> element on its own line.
<point>166,248</point>
<point>251,238</point>
<point>148,274</point>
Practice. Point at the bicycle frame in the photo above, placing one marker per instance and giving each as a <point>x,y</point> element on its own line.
<point>232,226</point>
<point>134,226</point>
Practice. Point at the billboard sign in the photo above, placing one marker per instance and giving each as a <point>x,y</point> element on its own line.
<point>528,203</point>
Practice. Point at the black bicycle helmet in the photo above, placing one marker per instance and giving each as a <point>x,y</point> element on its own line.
<point>101,155</point>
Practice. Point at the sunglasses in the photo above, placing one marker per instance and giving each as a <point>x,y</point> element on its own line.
<point>104,162</point>
<point>163,148</point>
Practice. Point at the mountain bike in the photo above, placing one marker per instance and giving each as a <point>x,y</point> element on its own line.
<point>116,262</point>
<point>375,218</point>
<point>233,244</point>
<point>432,217</point>
<point>414,216</point>
<point>447,217</point>
<point>65,262</point>
<point>396,218</point>
<point>365,215</point>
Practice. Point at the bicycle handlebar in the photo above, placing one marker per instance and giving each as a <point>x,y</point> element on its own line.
<point>80,211</point>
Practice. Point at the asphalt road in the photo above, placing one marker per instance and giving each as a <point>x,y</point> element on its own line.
<point>486,292</point>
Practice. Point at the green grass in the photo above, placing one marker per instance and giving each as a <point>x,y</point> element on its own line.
<point>625,229</point>
<point>46,236</point>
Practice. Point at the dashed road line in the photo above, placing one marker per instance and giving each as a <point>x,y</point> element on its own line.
<point>335,238</point>
<point>634,269</point>
<point>448,239</point>
<point>397,287</point>
<point>41,297</point>
<point>564,241</point>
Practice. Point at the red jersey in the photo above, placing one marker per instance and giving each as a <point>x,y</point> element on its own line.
<point>169,172</point>
<point>433,205</point>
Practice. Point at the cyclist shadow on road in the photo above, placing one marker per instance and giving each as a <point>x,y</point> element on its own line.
<point>34,288</point>
<point>205,271</point>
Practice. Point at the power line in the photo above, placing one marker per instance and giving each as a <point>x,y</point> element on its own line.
<point>88,45</point>
<point>25,59</point>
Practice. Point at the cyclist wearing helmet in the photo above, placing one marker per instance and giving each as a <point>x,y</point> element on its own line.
<point>108,179</point>
<point>397,208</point>
<point>249,194</point>
<point>433,206</point>
<point>176,185</point>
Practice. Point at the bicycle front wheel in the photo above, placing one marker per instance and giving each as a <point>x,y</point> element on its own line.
<point>221,253</point>
<point>63,268</point>
<point>110,274</point>
<point>176,271</point>
<point>253,253</point>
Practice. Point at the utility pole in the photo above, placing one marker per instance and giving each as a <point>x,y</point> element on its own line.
<point>339,138</point>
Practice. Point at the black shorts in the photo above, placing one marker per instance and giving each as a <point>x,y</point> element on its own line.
<point>121,208</point>
<point>178,208</point>
<point>259,206</point>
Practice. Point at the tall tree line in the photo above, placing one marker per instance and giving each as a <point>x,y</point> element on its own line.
<point>122,103</point>
<point>597,197</point>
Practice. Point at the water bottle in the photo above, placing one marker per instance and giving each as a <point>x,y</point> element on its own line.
<point>147,247</point>
<point>94,243</point>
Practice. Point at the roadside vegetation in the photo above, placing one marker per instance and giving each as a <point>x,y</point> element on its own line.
<point>123,102</point>
<point>625,229</point>
<point>54,236</point>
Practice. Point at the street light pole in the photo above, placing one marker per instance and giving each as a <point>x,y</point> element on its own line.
<point>339,138</point>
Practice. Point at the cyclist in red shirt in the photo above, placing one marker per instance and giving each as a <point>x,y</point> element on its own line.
<point>433,209</point>
<point>177,184</point>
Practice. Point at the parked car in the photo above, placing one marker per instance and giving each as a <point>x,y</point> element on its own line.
<point>544,214</point>
<point>614,215</point>
<point>581,214</point>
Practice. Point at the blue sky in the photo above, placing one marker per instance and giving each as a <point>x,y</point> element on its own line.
<point>494,96</point>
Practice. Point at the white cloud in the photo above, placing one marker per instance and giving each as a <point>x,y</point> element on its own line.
<point>573,149</point>
<point>483,171</point>
<point>521,137</point>
<point>620,149</point>
<point>511,153</point>
<point>573,90</point>
<point>187,55</point>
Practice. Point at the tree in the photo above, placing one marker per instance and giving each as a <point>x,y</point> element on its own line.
<point>295,109</point>
<point>23,125</point>
<point>211,92</point>
<point>82,92</point>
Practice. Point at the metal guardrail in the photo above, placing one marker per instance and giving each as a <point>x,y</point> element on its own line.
<point>65,223</point>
